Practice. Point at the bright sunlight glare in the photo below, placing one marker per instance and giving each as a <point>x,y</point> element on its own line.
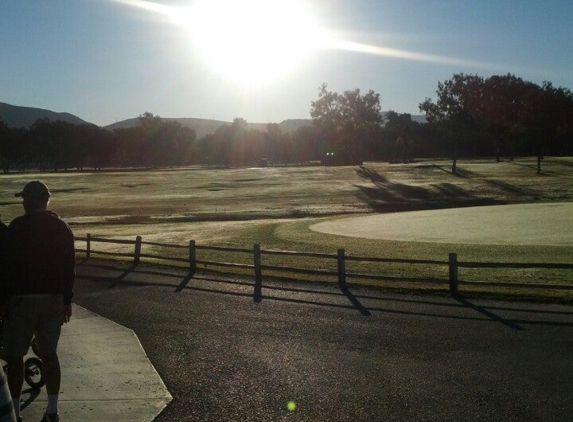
<point>258,41</point>
<point>254,41</point>
<point>407,55</point>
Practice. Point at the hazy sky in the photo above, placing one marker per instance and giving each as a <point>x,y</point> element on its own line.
<point>263,60</point>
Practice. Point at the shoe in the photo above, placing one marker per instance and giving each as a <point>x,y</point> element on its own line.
<point>54,417</point>
<point>19,419</point>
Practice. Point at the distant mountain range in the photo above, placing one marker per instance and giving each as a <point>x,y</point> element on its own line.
<point>24,117</point>
<point>204,127</point>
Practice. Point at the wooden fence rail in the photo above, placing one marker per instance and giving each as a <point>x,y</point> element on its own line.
<point>340,259</point>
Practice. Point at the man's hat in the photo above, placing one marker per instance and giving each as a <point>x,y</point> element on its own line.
<point>35,189</point>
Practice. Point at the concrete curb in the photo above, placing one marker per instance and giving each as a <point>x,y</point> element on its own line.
<point>106,375</point>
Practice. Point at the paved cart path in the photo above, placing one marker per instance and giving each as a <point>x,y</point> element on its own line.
<point>359,355</point>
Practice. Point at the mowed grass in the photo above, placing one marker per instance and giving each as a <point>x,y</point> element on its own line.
<point>275,206</point>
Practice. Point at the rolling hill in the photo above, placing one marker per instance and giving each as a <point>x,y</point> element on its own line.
<point>24,117</point>
<point>204,127</point>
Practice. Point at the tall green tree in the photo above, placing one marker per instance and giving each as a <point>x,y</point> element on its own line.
<point>7,147</point>
<point>153,151</point>
<point>401,131</point>
<point>166,143</point>
<point>453,110</point>
<point>505,109</point>
<point>501,107</point>
<point>546,113</point>
<point>347,121</point>
<point>272,140</point>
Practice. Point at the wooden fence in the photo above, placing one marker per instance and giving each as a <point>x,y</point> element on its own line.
<point>341,274</point>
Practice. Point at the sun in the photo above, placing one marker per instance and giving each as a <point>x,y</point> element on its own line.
<point>254,41</point>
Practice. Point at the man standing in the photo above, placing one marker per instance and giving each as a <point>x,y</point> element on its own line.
<point>6,406</point>
<point>38,271</point>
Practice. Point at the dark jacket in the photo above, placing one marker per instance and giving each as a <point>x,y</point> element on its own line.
<point>38,257</point>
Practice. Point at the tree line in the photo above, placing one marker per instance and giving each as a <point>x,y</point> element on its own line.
<point>501,116</point>
<point>472,116</point>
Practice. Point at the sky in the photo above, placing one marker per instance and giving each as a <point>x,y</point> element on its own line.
<point>264,60</point>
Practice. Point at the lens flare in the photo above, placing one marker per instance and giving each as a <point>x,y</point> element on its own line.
<point>258,39</point>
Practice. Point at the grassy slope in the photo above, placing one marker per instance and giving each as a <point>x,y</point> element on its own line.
<point>275,206</point>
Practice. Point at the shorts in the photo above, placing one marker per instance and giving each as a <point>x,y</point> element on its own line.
<point>28,316</point>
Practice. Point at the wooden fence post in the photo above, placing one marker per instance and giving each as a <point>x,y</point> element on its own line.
<point>453,273</point>
<point>192,256</point>
<point>88,245</point>
<point>341,269</point>
<point>137,252</point>
<point>258,295</point>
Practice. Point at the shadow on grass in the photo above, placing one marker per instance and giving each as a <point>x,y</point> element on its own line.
<point>561,162</point>
<point>534,167</point>
<point>508,188</point>
<point>501,185</point>
<point>388,196</point>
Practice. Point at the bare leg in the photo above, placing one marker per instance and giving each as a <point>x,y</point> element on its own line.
<point>53,376</point>
<point>52,372</point>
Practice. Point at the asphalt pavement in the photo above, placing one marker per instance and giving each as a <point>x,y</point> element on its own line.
<point>356,355</point>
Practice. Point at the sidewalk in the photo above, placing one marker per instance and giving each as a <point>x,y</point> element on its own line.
<point>106,375</point>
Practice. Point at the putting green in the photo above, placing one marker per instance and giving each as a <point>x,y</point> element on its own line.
<point>525,224</point>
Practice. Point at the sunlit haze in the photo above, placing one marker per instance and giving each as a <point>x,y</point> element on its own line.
<point>263,60</point>
<point>256,41</point>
